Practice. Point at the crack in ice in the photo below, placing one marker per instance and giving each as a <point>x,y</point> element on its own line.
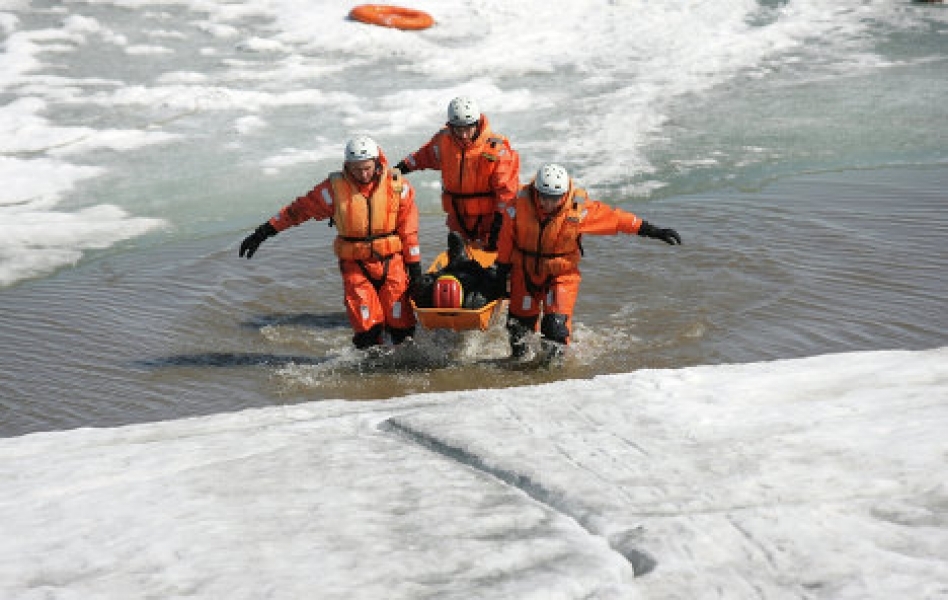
<point>641,562</point>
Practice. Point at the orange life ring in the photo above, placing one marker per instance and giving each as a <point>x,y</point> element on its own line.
<point>391,16</point>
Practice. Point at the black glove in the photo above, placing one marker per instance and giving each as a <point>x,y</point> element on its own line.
<point>253,241</point>
<point>669,236</point>
<point>414,272</point>
<point>401,166</point>
<point>498,274</point>
<point>495,226</point>
<point>415,282</point>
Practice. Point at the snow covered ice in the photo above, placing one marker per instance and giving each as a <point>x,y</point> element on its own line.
<point>142,139</point>
<point>821,477</point>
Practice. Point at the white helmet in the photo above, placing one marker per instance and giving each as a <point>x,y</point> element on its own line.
<point>552,180</point>
<point>463,111</point>
<point>361,147</point>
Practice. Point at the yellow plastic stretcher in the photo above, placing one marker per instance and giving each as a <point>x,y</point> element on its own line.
<point>461,319</point>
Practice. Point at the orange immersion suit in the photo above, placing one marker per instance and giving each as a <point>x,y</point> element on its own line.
<point>479,178</point>
<point>377,239</point>
<point>543,252</point>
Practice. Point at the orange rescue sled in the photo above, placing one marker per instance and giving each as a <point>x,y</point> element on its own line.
<point>461,319</point>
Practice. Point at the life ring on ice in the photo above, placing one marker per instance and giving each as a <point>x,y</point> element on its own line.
<point>391,16</point>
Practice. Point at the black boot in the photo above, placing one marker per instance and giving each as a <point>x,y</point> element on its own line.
<point>399,334</point>
<point>367,339</point>
<point>517,331</point>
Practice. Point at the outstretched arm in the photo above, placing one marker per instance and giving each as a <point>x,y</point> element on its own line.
<point>602,219</point>
<point>317,204</point>
<point>425,157</point>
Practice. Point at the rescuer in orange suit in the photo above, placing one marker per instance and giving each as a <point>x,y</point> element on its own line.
<point>480,172</point>
<point>539,249</point>
<point>373,209</point>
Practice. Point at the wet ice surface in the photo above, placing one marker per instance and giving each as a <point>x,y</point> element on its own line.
<point>821,477</point>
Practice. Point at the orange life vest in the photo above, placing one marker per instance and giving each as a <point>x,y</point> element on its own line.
<point>551,246</point>
<point>465,173</point>
<point>367,226</point>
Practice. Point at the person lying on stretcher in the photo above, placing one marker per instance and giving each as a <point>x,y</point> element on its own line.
<point>461,283</point>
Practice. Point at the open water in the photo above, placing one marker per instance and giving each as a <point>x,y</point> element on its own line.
<point>798,147</point>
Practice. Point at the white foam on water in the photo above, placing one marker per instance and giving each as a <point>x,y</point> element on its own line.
<point>612,68</point>
<point>41,235</point>
<point>587,84</point>
<point>43,241</point>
